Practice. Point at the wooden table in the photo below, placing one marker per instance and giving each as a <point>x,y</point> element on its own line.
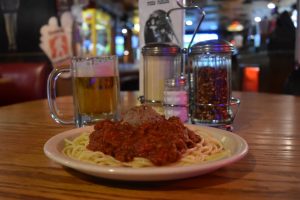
<point>271,170</point>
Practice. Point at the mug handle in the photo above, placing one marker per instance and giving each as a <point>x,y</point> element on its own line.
<point>51,95</point>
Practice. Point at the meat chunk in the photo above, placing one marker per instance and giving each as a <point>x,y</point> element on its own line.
<point>139,115</point>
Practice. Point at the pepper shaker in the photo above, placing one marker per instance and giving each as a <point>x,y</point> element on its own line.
<point>211,74</point>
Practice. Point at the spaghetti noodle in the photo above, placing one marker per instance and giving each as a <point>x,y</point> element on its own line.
<point>207,149</point>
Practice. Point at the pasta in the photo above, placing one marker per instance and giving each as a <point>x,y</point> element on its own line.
<point>207,149</point>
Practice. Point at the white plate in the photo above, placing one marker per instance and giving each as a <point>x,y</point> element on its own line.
<point>237,145</point>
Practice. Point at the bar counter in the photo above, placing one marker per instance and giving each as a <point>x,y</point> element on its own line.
<point>269,123</point>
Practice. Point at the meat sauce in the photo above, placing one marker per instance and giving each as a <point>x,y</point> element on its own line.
<point>162,142</point>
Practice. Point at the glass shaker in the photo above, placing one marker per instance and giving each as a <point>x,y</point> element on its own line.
<point>211,90</point>
<point>162,61</point>
<point>176,98</point>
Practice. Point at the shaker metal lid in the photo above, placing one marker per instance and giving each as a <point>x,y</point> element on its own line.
<point>160,49</point>
<point>212,46</point>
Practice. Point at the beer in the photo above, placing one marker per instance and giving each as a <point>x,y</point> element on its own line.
<point>96,97</point>
<point>96,90</point>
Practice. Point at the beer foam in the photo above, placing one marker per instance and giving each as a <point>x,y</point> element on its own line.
<point>100,69</point>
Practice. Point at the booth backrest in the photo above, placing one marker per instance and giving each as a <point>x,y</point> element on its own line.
<point>24,81</point>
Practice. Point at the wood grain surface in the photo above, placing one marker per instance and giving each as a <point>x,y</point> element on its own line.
<point>271,170</point>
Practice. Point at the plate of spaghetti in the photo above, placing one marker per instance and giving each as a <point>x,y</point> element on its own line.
<point>145,150</point>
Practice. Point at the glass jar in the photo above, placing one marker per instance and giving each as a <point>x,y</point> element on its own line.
<point>162,61</point>
<point>176,98</point>
<point>211,75</point>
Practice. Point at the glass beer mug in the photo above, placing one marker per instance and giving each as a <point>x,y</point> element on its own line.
<point>96,90</point>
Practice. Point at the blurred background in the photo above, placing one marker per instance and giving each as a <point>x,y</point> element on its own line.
<point>263,31</point>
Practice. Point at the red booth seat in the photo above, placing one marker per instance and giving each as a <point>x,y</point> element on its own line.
<point>21,82</point>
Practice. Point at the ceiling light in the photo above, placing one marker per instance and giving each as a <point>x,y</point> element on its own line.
<point>124,31</point>
<point>126,53</point>
<point>257,19</point>
<point>235,26</point>
<point>271,5</point>
<point>189,23</point>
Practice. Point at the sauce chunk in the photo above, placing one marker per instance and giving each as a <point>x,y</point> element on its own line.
<point>162,142</point>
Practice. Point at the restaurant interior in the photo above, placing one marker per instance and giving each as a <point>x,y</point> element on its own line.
<point>264,33</point>
<point>106,99</point>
